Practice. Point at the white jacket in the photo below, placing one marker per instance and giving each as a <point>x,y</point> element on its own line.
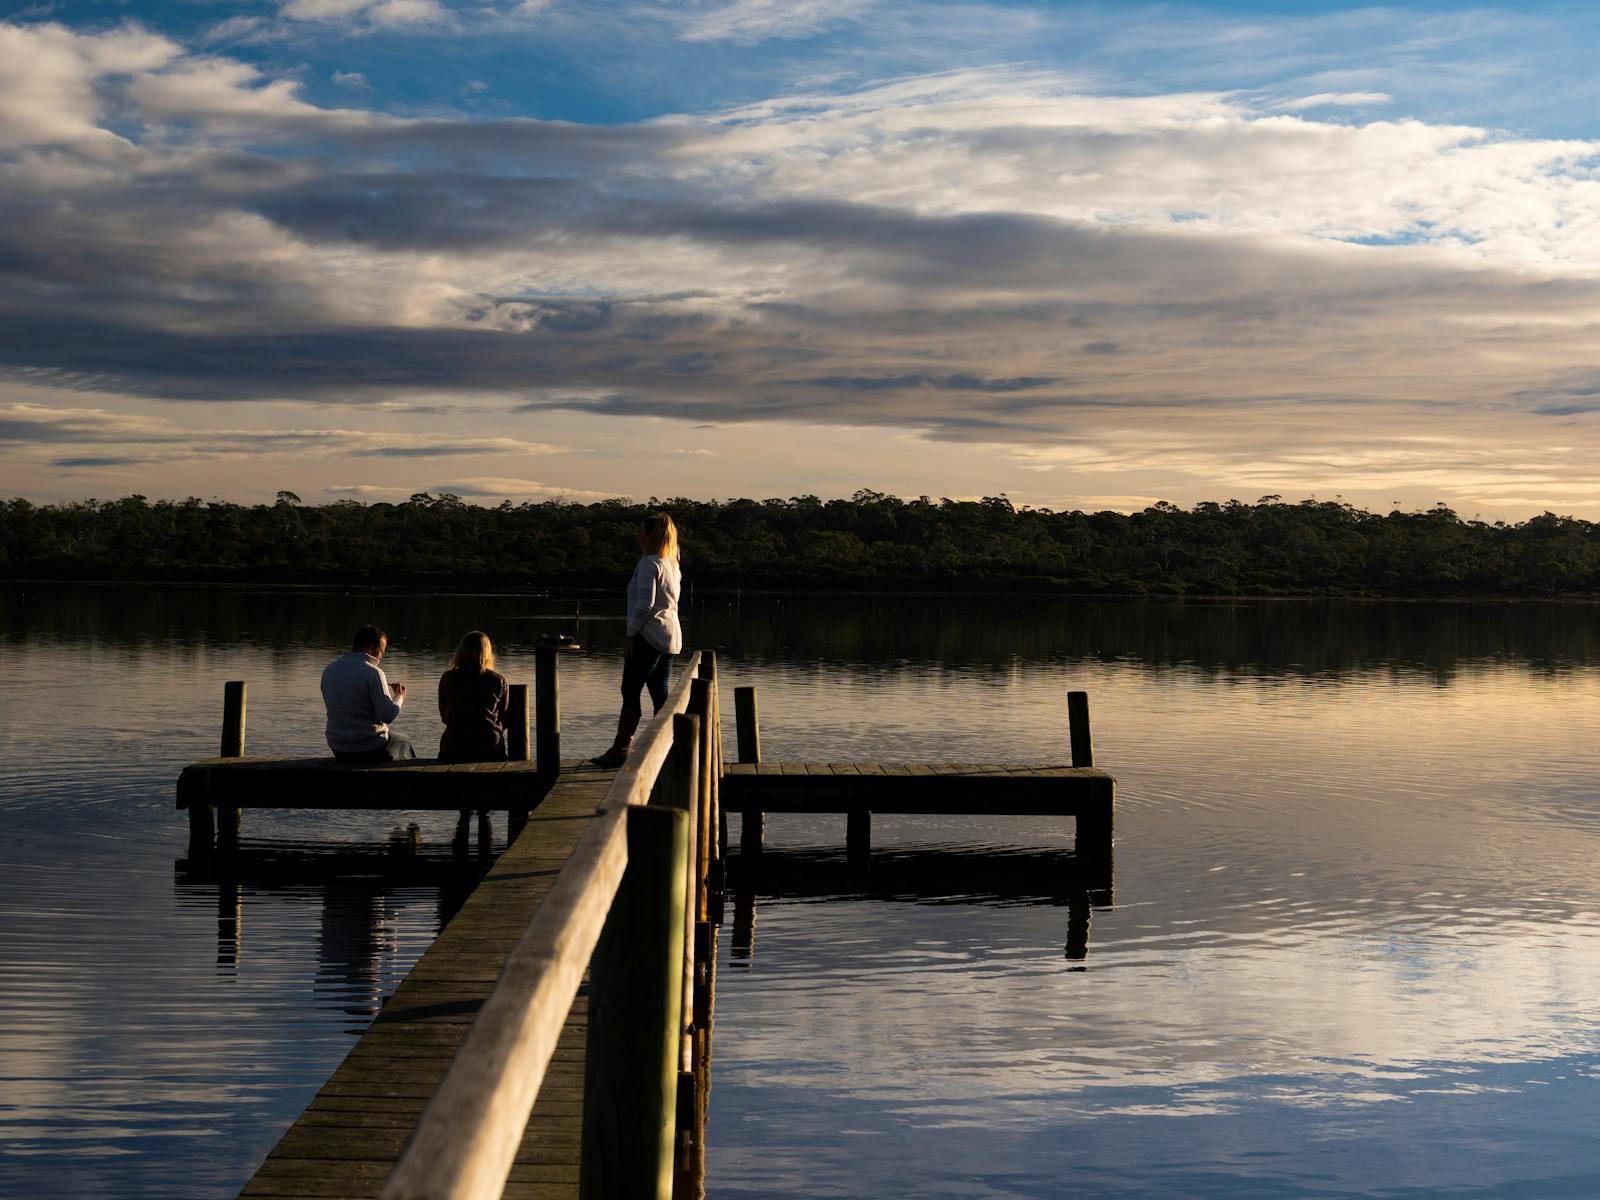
<point>653,603</point>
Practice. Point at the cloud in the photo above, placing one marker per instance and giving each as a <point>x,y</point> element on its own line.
<point>749,21</point>
<point>1335,100</point>
<point>480,488</point>
<point>351,79</point>
<point>1186,281</point>
<point>489,486</point>
<point>48,92</point>
<point>239,30</point>
<point>369,14</point>
<point>29,427</point>
<point>106,460</point>
<point>437,446</point>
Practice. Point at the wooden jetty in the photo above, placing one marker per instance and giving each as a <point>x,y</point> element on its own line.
<point>857,790</point>
<point>555,1040</point>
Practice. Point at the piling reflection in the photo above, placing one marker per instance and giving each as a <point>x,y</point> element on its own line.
<point>229,913</point>
<point>934,875</point>
<point>360,890</point>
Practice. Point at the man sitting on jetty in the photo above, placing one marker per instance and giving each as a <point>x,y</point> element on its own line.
<point>361,703</point>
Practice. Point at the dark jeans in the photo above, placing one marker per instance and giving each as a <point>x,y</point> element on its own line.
<point>398,750</point>
<point>648,668</point>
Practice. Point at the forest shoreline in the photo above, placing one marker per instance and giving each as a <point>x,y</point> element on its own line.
<point>869,544</point>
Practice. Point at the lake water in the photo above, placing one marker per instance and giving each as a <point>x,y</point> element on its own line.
<point>1354,948</point>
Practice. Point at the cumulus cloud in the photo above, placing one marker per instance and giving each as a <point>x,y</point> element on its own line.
<point>1000,257</point>
<point>48,93</point>
<point>367,13</point>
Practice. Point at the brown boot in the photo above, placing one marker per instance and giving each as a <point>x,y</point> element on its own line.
<point>618,754</point>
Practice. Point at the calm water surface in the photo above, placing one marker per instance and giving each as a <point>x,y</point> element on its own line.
<point>1354,948</point>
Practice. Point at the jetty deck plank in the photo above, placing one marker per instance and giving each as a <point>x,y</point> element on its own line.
<point>350,1136</point>
<point>935,788</point>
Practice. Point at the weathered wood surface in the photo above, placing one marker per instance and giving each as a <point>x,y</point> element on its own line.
<point>349,1138</point>
<point>938,788</point>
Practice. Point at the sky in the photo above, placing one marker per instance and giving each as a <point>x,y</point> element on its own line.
<point>1082,255</point>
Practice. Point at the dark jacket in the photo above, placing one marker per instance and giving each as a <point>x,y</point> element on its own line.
<point>473,709</point>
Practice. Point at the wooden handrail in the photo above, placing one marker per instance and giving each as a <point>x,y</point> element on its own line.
<point>637,776</point>
<point>464,1145</point>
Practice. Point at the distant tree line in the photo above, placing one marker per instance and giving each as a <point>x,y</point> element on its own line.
<point>869,541</point>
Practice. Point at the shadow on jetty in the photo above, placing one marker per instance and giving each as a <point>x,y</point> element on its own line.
<point>928,875</point>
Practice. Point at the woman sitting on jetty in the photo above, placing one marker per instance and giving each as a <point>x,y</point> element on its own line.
<point>653,633</point>
<point>473,698</point>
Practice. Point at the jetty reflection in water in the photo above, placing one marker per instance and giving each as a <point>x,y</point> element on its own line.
<point>363,891</point>
<point>931,875</point>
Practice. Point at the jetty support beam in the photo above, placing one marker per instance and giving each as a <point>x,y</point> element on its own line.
<point>547,717</point>
<point>747,725</point>
<point>518,749</point>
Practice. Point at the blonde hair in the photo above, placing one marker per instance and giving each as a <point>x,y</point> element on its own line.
<point>660,535</point>
<point>475,655</point>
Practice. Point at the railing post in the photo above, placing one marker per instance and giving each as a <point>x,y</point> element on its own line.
<point>630,1086</point>
<point>677,790</point>
<point>700,706</point>
<point>1078,729</point>
<point>719,819</point>
<point>547,718</point>
<point>233,713</point>
<point>747,729</point>
<point>518,749</point>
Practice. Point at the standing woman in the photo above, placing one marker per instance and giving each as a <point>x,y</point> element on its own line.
<point>653,634</point>
<point>473,700</point>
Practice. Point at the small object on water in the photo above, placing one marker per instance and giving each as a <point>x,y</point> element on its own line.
<point>561,641</point>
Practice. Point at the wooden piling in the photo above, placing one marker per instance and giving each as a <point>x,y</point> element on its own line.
<point>746,724</point>
<point>547,717</point>
<point>747,728</point>
<point>858,837</point>
<point>518,749</point>
<point>635,998</point>
<point>233,702</point>
<point>1078,729</point>
<point>233,715</point>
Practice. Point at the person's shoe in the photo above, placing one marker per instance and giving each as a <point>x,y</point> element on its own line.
<point>612,758</point>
